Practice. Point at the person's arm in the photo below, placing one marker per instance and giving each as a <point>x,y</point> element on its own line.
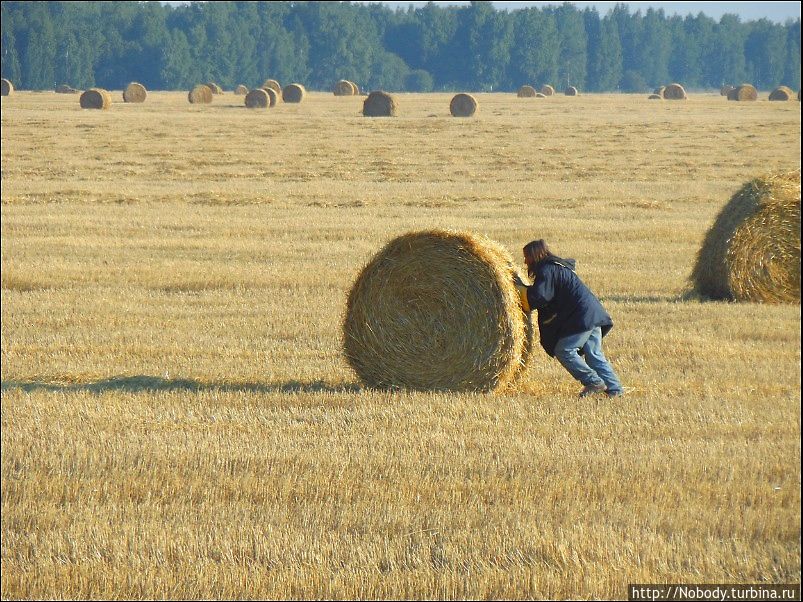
<point>542,291</point>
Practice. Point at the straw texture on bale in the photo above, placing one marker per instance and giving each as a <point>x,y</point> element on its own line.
<point>526,92</point>
<point>379,104</point>
<point>241,90</point>
<point>343,88</point>
<point>571,91</point>
<point>6,87</point>
<point>65,89</point>
<point>135,92</point>
<point>743,93</point>
<point>95,98</point>
<point>675,92</point>
<point>463,105</point>
<point>752,252</point>
<point>437,310</point>
<point>273,85</point>
<point>293,93</point>
<point>257,99</point>
<point>547,90</point>
<point>782,93</point>
<point>659,91</point>
<point>655,97</point>
<point>725,90</point>
<point>215,88</point>
<point>201,94</point>
<point>273,96</point>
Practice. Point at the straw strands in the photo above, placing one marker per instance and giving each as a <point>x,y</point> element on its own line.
<point>201,94</point>
<point>782,93</point>
<point>293,93</point>
<point>95,98</point>
<point>752,252</point>
<point>526,92</point>
<point>135,92</point>
<point>257,99</point>
<point>745,92</point>
<point>463,105</point>
<point>6,87</point>
<point>675,92</point>
<point>379,104</point>
<point>436,310</point>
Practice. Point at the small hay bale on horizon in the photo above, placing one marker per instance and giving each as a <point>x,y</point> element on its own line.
<point>463,105</point>
<point>675,92</point>
<point>379,104</point>
<point>257,99</point>
<point>343,88</point>
<point>293,93</point>
<point>571,91</point>
<point>135,92</point>
<point>782,93</point>
<point>200,94</point>
<point>404,329</point>
<point>95,98</point>
<point>65,89</point>
<point>241,90</point>
<point>752,251</point>
<point>742,93</point>
<point>547,90</point>
<point>6,87</point>
<point>526,92</point>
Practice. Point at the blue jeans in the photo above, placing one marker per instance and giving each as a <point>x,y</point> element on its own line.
<point>595,369</point>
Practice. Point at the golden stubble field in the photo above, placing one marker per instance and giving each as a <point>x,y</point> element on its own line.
<point>178,420</point>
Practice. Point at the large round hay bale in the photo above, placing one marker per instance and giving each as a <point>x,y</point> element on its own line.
<point>293,93</point>
<point>241,90</point>
<point>6,87</point>
<point>782,93</point>
<point>436,310</point>
<point>675,92</point>
<point>571,91</point>
<point>655,97</point>
<point>65,89</point>
<point>215,88</point>
<point>526,92</point>
<point>343,88</point>
<point>257,99</point>
<point>726,89</point>
<point>95,98</point>
<point>745,92</point>
<point>273,85</point>
<point>547,90</point>
<point>379,104</point>
<point>273,96</point>
<point>463,105</point>
<point>135,92</point>
<point>201,94</point>
<point>752,252</point>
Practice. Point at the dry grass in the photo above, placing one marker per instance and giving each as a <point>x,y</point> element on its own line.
<point>178,420</point>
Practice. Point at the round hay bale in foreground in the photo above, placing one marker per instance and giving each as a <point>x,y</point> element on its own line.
<point>257,99</point>
<point>241,90</point>
<point>571,91</point>
<point>547,90</point>
<point>273,96</point>
<point>675,92</point>
<point>725,90</point>
<point>379,104</point>
<point>135,92</point>
<point>95,98</point>
<point>6,87</point>
<point>526,92</point>
<point>752,252</point>
<point>655,97</point>
<point>343,88</point>
<point>782,93</point>
<point>463,105</point>
<point>214,87</point>
<point>293,93</point>
<point>436,310</point>
<point>201,94</point>
<point>745,92</point>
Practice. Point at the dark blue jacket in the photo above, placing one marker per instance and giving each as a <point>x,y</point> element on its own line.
<point>565,305</point>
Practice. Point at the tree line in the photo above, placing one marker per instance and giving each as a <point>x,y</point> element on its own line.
<point>473,48</point>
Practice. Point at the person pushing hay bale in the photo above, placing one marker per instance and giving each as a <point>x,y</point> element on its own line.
<point>95,98</point>
<point>379,104</point>
<point>437,310</point>
<point>135,92</point>
<point>752,252</point>
<point>463,105</point>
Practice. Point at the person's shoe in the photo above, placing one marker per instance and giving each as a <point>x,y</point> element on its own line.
<point>614,393</point>
<point>593,389</point>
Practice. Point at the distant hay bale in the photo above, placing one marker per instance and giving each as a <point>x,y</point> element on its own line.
<point>659,91</point>
<point>95,98</point>
<point>436,310</point>
<point>273,85</point>
<point>463,105</point>
<point>356,89</point>
<point>526,92</point>
<point>293,93</point>
<point>215,88</point>
<point>135,92</point>
<point>675,92</point>
<point>201,94</point>
<point>655,97</point>
<point>241,90</point>
<point>547,90</point>
<point>782,93</point>
<point>379,104</point>
<point>752,252</point>
<point>6,87</point>
<point>257,99</point>
<point>725,90</point>
<point>343,88</point>
<point>65,89</point>
<point>745,92</point>
<point>571,91</point>
<point>273,97</point>
<point>539,95</point>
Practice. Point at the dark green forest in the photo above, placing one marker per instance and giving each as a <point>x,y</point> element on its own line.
<point>472,48</point>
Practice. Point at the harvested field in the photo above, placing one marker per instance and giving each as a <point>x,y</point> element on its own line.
<point>179,420</point>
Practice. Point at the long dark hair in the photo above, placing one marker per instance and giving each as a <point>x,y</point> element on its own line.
<point>534,252</point>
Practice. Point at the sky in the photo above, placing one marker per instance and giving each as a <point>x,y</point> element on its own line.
<point>748,11</point>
